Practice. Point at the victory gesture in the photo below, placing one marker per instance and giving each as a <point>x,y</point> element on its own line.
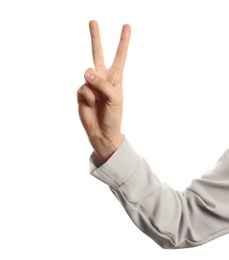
<point>100,99</point>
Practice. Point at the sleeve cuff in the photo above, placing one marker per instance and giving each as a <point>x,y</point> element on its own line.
<point>118,168</point>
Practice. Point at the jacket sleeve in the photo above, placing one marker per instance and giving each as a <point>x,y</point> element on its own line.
<point>173,219</point>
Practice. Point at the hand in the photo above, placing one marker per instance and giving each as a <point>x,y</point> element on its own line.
<point>100,99</point>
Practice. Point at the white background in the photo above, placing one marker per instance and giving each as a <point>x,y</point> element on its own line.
<point>175,115</point>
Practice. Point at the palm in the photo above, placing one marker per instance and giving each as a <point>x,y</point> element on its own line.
<point>98,117</point>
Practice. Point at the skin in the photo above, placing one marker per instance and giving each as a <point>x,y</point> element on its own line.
<point>100,98</point>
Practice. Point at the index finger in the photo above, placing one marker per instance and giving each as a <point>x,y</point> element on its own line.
<point>97,50</point>
<point>120,57</point>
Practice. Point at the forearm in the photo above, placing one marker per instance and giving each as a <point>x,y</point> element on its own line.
<point>172,219</point>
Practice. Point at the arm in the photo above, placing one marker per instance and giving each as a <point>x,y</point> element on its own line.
<point>172,219</point>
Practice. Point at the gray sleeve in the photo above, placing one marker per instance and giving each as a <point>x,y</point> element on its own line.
<point>173,219</point>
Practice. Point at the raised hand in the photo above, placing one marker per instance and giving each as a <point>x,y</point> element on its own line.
<point>100,99</point>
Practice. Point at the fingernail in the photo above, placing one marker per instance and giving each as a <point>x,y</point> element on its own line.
<point>89,75</point>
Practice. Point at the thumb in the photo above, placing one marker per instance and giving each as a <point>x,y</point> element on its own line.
<point>99,84</point>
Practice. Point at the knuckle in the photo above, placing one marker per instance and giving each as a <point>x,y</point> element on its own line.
<point>97,52</point>
<point>82,89</point>
<point>90,70</point>
<point>122,53</point>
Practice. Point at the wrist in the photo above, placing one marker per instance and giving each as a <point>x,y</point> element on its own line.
<point>105,147</point>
